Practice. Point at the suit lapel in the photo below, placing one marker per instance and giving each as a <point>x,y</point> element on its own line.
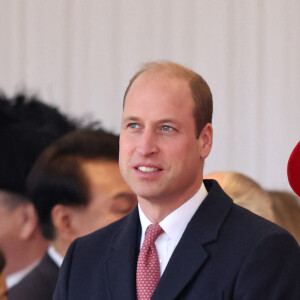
<point>190,254</point>
<point>122,258</point>
<point>184,263</point>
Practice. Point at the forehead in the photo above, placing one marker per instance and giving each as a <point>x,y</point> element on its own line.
<point>156,92</point>
<point>159,79</point>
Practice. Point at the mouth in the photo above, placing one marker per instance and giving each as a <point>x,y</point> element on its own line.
<point>147,170</point>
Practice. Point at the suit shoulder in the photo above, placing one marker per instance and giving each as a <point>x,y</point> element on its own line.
<point>38,284</point>
<point>252,222</point>
<point>246,230</point>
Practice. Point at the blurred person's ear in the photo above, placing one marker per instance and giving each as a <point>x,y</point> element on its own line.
<point>62,219</point>
<point>28,221</point>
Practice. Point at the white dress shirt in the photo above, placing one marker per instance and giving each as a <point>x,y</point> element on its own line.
<point>173,225</point>
<point>56,257</point>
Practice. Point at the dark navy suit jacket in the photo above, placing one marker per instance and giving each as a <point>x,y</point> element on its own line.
<point>226,252</point>
<point>39,284</point>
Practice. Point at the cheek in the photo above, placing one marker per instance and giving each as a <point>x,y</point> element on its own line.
<point>122,155</point>
<point>101,215</point>
<point>87,221</point>
<point>127,145</point>
<point>101,220</point>
<point>123,142</point>
<point>185,159</point>
<point>8,232</point>
<point>125,156</point>
<point>179,153</point>
<point>90,224</point>
<point>8,224</point>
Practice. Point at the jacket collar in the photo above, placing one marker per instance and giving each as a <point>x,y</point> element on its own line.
<point>190,254</point>
<point>188,257</point>
<point>122,257</point>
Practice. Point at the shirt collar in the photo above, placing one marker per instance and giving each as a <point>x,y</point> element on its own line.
<point>184,213</point>
<point>15,278</point>
<point>56,257</point>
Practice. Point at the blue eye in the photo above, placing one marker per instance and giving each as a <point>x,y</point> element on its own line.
<point>133,125</point>
<point>166,128</point>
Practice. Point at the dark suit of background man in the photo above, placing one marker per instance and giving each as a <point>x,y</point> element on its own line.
<point>76,187</point>
<point>210,248</point>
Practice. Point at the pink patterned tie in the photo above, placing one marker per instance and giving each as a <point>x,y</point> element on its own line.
<point>148,271</point>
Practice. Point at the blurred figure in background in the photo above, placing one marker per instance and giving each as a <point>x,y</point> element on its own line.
<point>277,206</point>
<point>76,187</point>
<point>287,212</point>
<point>27,127</point>
<point>245,192</point>
<point>3,289</point>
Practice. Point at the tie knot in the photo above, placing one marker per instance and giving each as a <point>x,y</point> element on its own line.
<point>153,232</point>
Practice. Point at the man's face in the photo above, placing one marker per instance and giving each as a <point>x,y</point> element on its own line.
<point>160,156</point>
<point>110,197</point>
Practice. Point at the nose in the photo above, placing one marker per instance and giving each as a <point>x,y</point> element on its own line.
<point>147,144</point>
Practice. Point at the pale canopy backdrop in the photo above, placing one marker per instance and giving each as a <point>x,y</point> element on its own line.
<point>80,54</point>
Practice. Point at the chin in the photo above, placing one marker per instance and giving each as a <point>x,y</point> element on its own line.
<point>150,196</point>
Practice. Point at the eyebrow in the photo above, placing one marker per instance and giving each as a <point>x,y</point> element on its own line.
<point>166,121</point>
<point>130,118</point>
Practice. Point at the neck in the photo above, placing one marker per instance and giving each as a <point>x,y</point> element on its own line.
<point>25,254</point>
<point>60,245</point>
<point>157,209</point>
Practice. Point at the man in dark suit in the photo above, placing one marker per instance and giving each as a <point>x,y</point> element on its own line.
<point>186,239</point>
<point>76,187</point>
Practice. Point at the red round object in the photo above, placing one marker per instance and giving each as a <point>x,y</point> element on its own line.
<point>293,169</point>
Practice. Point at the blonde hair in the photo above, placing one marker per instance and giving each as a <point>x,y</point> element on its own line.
<point>287,212</point>
<point>245,192</point>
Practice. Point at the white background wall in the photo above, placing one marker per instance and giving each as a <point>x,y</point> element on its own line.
<point>80,55</point>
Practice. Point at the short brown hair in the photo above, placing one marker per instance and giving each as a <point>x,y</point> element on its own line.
<point>200,90</point>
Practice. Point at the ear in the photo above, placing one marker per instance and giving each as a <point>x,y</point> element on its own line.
<point>205,140</point>
<point>62,219</point>
<point>29,221</point>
